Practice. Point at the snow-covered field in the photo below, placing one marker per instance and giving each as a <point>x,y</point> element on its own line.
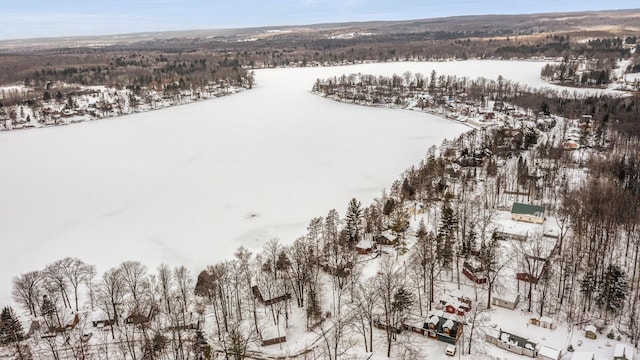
<point>189,184</point>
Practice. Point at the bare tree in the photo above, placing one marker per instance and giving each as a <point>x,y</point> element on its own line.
<point>365,302</point>
<point>77,272</point>
<point>134,277</point>
<point>111,291</point>
<point>492,259</point>
<point>533,257</point>
<point>56,278</point>
<point>394,298</point>
<point>425,254</point>
<point>477,317</point>
<point>26,290</point>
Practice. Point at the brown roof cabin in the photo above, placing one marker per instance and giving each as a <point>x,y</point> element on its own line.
<point>366,245</point>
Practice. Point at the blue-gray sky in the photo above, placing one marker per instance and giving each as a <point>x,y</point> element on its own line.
<point>45,18</point>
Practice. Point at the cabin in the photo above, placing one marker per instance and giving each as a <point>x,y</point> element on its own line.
<point>443,326</point>
<point>590,332</point>
<point>366,245</point>
<point>528,213</point>
<point>505,299</point>
<point>454,306</point>
<point>137,319</point>
<point>99,320</point>
<point>386,238</point>
<point>547,353</point>
<point>511,342</point>
<point>271,295</point>
<point>272,335</point>
<point>473,270</point>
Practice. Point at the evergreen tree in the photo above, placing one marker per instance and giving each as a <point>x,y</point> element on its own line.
<point>10,328</point>
<point>354,221</point>
<point>471,240</point>
<point>314,309</point>
<point>613,289</point>
<point>447,234</point>
<point>402,302</point>
<point>408,191</point>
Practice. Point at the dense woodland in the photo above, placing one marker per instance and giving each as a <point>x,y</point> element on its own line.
<point>66,75</point>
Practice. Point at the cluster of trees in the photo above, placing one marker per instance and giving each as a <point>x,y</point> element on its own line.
<point>568,72</point>
<point>396,89</point>
<point>150,70</point>
<point>66,296</point>
<point>154,315</point>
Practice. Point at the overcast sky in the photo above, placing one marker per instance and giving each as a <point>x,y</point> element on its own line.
<point>45,18</point>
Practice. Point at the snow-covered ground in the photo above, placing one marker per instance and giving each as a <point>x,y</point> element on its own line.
<point>189,184</point>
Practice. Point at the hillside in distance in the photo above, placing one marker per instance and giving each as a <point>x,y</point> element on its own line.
<point>611,23</point>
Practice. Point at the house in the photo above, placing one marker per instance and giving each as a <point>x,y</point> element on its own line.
<point>386,238</point>
<point>622,352</point>
<point>99,320</point>
<point>443,326</point>
<point>272,294</point>
<point>341,270</point>
<point>590,332</point>
<point>508,300</point>
<point>528,213</point>
<point>366,245</point>
<point>511,342</point>
<point>137,319</point>
<point>272,335</point>
<point>454,306</point>
<point>454,303</point>
<point>472,269</point>
<point>547,353</point>
<point>583,355</point>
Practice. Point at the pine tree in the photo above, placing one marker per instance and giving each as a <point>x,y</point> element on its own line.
<point>446,234</point>
<point>613,289</point>
<point>10,328</point>
<point>354,221</point>
<point>408,191</point>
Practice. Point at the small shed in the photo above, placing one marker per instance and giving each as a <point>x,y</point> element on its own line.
<point>590,332</point>
<point>528,213</point>
<point>546,322</point>
<point>547,353</point>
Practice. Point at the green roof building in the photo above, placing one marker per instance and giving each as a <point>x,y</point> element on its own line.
<point>528,213</point>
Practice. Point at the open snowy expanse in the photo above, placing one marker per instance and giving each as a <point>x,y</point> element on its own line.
<point>189,184</point>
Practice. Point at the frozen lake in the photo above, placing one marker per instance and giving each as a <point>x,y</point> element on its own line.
<point>188,185</point>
